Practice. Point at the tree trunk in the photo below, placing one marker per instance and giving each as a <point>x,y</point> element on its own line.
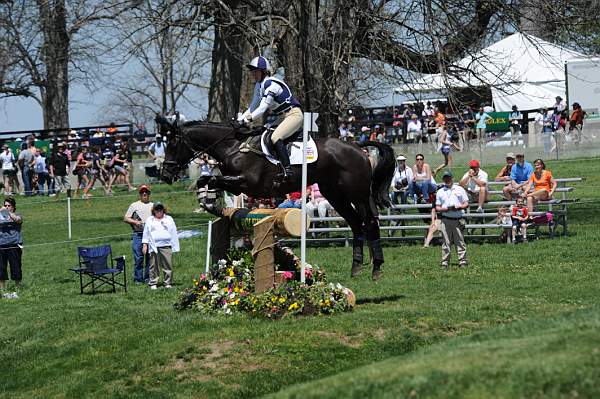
<point>226,74</point>
<point>55,52</point>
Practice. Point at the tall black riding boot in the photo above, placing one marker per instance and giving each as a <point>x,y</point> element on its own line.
<point>284,158</point>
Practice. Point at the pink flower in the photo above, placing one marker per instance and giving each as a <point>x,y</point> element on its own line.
<point>308,272</point>
<point>287,275</point>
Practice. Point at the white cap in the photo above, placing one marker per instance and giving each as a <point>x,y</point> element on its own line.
<point>400,158</point>
<point>364,129</point>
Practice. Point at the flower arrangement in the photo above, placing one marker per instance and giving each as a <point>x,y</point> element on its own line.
<point>229,288</point>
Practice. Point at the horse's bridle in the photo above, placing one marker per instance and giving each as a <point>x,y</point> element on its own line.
<point>180,136</point>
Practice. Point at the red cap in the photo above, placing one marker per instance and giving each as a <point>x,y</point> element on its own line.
<point>144,187</point>
<point>474,163</point>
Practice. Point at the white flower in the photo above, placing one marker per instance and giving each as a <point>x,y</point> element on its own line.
<point>213,288</point>
<point>222,263</point>
<point>232,295</point>
<point>237,263</point>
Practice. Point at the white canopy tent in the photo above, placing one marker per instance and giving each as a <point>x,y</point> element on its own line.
<point>520,69</point>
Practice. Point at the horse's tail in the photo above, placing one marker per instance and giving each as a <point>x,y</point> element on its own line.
<point>383,172</point>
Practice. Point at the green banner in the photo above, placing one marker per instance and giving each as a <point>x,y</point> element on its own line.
<point>497,122</point>
<point>15,146</point>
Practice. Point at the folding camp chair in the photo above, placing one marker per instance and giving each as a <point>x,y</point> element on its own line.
<point>97,267</point>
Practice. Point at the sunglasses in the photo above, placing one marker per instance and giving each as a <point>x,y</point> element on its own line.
<point>420,159</point>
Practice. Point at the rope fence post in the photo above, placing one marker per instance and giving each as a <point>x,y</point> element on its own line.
<point>69,212</point>
<point>208,239</point>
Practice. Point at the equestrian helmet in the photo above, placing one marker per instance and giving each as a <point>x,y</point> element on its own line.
<point>259,63</point>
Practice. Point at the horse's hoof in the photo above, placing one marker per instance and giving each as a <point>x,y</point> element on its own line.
<point>356,269</point>
<point>376,274</point>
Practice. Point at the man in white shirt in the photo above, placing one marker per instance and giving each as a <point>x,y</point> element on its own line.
<point>8,170</point>
<point>475,182</point>
<point>415,129</point>
<point>156,151</point>
<point>402,181</point>
<point>450,202</point>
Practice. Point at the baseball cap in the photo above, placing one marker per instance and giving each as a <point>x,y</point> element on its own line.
<point>364,129</point>
<point>474,163</point>
<point>510,155</point>
<point>158,206</point>
<point>144,187</point>
<point>400,158</point>
<point>520,154</point>
<point>447,174</point>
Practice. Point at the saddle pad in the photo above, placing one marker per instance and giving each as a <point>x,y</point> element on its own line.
<point>296,153</point>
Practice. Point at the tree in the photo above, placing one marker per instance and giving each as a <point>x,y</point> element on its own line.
<point>162,66</point>
<point>47,41</point>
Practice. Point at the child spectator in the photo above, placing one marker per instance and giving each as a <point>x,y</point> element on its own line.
<point>503,219</point>
<point>519,217</point>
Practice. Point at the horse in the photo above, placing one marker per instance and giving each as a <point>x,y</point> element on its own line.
<point>353,183</point>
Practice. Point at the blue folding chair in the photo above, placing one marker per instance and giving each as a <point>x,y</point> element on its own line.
<point>97,267</point>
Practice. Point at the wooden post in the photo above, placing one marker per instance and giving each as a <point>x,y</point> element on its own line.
<point>264,259</point>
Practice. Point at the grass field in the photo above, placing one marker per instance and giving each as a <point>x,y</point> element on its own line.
<point>521,321</point>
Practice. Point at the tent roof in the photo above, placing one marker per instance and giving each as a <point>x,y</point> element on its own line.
<point>516,58</point>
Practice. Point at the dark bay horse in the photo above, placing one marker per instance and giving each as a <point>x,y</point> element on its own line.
<point>343,171</point>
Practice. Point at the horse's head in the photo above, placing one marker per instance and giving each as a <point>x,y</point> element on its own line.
<point>178,154</point>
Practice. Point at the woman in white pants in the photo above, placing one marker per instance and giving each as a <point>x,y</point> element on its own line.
<point>160,240</point>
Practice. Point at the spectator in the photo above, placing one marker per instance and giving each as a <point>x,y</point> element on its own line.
<point>451,200</point>
<point>475,182</point>
<point>157,151</point>
<point>119,163</point>
<point>11,243</point>
<point>160,241</point>
<point>559,105</point>
<point>374,133</point>
<point>576,123</point>
<point>343,129</point>
<point>317,202</point>
<point>481,118</point>
<point>543,184</point>
<point>547,131</point>
<point>25,163</point>
<point>446,146</point>
<point>468,127</point>
<point>41,171</point>
<point>560,126</point>
<point>95,172</point>
<point>514,119</point>
<point>422,179</point>
<point>415,129</point>
<point>504,174</point>
<point>293,200</point>
<point>438,117</point>
<point>519,176</point>
<point>111,130</point>
<point>107,167</point>
<point>9,171</point>
<point>503,219</point>
<point>60,169</point>
<point>519,217</point>
<point>81,170</point>
<point>402,182</point>
<point>135,216</point>
<point>364,134</point>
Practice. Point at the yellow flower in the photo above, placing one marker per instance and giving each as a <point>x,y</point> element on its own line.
<point>236,302</point>
<point>273,298</point>
<point>293,306</point>
<point>281,300</point>
<point>225,289</point>
<point>230,272</point>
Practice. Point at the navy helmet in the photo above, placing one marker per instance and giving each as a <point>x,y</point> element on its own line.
<point>259,63</point>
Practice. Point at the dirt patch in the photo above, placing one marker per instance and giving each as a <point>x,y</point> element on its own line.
<point>379,334</point>
<point>354,341</point>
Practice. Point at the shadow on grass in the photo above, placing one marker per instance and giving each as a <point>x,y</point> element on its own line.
<point>380,299</point>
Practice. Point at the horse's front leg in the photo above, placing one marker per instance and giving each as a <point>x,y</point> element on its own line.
<point>232,184</point>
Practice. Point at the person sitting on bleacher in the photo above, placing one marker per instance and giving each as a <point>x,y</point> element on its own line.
<point>422,179</point>
<point>402,181</point>
<point>543,185</point>
<point>519,217</point>
<point>519,176</point>
<point>317,202</point>
<point>504,174</point>
<point>475,183</point>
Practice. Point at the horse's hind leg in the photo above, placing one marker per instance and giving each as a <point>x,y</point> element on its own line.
<point>345,209</point>
<point>369,214</point>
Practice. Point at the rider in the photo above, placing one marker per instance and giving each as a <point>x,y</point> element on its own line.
<point>274,95</point>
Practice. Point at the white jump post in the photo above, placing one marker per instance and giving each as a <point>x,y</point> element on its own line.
<point>309,119</point>
<point>207,268</point>
<point>69,215</point>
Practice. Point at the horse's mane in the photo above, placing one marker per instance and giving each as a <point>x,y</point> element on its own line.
<point>204,122</point>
